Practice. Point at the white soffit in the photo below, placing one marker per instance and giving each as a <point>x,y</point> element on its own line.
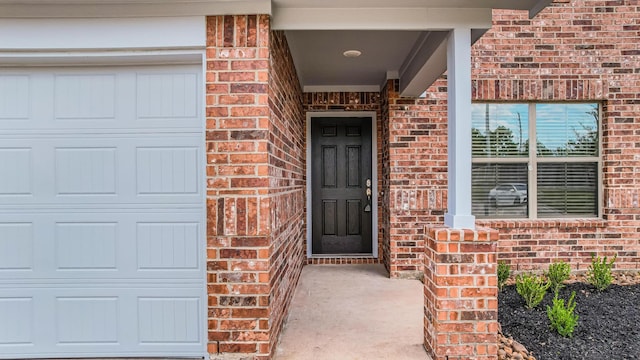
<point>110,33</point>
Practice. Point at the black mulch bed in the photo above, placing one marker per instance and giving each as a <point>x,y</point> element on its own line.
<point>608,327</point>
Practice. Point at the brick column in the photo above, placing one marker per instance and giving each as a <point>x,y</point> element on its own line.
<point>239,230</point>
<point>460,293</point>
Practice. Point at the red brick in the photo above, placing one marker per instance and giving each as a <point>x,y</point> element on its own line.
<point>238,324</point>
<point>249,65</point>
<point>250,313</point>
<point>217,111</point>
<point>237,76</point>
<point>236,99</point>
<point>242,348</point>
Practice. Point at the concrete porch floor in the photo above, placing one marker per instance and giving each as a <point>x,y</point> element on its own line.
<point>350,312</point>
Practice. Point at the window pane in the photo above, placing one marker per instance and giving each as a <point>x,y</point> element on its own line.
<point>500,190</point>
<point>567,189</point>
<point>567,129</point>
<point>500,130</point>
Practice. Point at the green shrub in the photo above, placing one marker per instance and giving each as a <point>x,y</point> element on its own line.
<point>599,273</point>
<point>562,318</point>
<point>557,274</point>
<point>532,289</point>
<point>504,271</point>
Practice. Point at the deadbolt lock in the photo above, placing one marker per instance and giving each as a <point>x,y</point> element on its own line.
<point>368,192</point>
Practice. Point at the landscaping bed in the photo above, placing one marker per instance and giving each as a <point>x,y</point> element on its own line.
<point>608,325</point>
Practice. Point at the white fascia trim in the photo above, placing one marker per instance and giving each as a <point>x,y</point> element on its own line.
<point>341,88</point>
<point>77,34</point>
<point>374,175</point>
<point>379,18</point>
<point>95,9</point>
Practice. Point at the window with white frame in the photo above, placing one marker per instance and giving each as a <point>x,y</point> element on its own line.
<point>536,160</point>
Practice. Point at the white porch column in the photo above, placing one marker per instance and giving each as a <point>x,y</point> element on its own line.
<point>459,115</point>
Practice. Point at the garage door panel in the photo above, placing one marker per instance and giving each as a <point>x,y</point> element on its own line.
<point>165,96</point>
<point>167,245</point>
<point>86,171</point>
<point>167,170</point>
<point>115,98</point>
<point>103,246</point>
<point>87,320</point>
<point>16,167</point>
<point>102,235</point>
<point>99,321</point>
<point>86,246</point>
<point>16,246</point>
<point>16,321</point>
<point>15,102</point>
<point>168,320</point>
<point>94,169</point>
<point>85,96</point>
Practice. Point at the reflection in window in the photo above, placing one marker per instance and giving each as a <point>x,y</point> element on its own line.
<point>567,129</point>
<point>500,190</point>
<point>500,130</point>
<point>562,164</point>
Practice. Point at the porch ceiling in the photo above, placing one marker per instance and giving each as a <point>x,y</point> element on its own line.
<point>403,39</point>
<point>320,62</point>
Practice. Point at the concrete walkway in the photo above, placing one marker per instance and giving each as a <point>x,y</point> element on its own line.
<point>353,312</point>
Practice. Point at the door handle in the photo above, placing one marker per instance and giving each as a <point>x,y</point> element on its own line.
<point>368,192</point>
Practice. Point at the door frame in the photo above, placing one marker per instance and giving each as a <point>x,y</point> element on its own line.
<point>374,180</point>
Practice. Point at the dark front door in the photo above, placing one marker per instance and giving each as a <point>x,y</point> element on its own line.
<point>341,185</point>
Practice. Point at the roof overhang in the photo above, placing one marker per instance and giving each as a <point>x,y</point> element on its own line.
<point>425,61</point>
<point>413,50</point>
<point>285,8</point>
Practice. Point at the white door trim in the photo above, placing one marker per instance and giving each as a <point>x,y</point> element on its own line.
<point>374,177</point>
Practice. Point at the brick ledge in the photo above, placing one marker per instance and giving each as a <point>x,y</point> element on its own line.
<point>530,224</point>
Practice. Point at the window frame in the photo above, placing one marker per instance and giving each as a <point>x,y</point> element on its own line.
<point>533,160</point>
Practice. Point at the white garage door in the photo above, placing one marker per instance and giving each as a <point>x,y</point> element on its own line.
<point>102,243</point>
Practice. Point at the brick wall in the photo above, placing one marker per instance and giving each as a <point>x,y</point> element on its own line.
<point>414,175</point>
<point>576,50</point>
<point>287,182</point>
<point>255,184</point>
<point>238,203</point>
<point>573,50</point>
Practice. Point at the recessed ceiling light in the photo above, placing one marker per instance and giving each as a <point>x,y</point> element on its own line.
<point>352,53</point>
